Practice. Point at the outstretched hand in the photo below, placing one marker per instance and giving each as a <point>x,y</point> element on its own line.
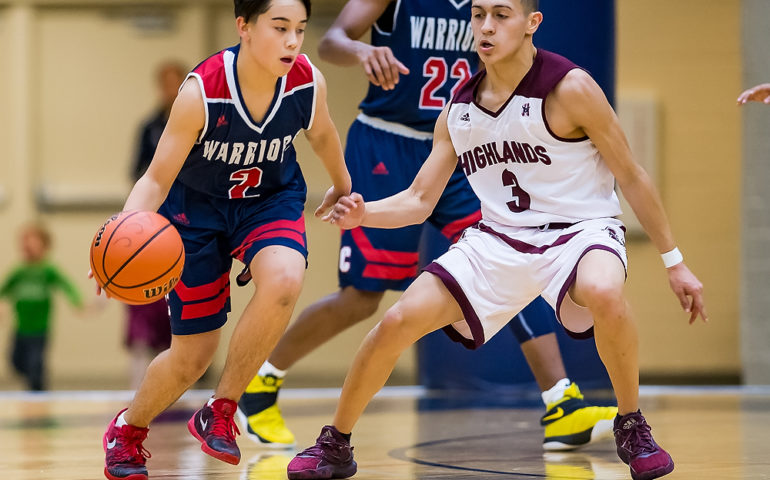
<point>348,212</point>
<point>381,66</point>
<point>759,93</point>
<point>330,198</point>
<point>689,290</point>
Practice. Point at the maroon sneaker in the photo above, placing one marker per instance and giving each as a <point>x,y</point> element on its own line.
<point>638,449</point>
<point>330,457</point>
<point>214,426</point>
<point>125,456</point>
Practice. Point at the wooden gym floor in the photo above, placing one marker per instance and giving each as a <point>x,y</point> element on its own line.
<point>712,433</point>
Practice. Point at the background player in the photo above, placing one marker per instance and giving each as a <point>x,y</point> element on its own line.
<point>412,74</point>
<point>540,145</point>
<point>225,174</point>
<point>148,331</point>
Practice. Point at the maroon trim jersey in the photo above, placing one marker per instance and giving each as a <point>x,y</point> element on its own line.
<point>523,173</point>
<point>236,156</point>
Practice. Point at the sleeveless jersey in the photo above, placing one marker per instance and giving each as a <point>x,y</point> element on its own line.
<point>524,174</point>
<point>434,40</point>
<point>237,157</point>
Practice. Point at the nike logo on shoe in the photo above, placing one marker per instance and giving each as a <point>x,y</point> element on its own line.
<point>203,424</point>
<point>554,416</point>
<point>111,444</point>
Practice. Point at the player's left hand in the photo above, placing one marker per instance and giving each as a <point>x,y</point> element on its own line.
<point>759,93</point>
<point>330,198</point>
<point>689,290</point>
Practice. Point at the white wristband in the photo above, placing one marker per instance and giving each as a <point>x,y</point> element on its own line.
<point>672,258</point>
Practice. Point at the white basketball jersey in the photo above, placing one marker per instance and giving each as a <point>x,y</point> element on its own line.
<point>525,175</point>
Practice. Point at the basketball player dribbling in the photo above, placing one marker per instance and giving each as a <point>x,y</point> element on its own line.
<point>225,174</point>
<point>420,53</point>
<point>539,144</point>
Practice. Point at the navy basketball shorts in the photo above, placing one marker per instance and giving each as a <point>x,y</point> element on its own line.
<point>216,230</point>
<point>381,164</point>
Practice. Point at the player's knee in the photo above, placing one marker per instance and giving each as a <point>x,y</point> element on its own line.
<point>603,296</point>
<point>287,285</point>
<point>394,330</point>
<point>364,303</point>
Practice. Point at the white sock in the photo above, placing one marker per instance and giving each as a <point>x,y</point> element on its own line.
<point>556,392</point>
<point>121,420</point>
<point>270,369</point>
<point>211,401</point>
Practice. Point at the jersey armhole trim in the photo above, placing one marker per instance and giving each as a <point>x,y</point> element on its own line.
<point>315,95</point>
<point>548,126</point>
<point>205,104</point>
<point>375,26</point>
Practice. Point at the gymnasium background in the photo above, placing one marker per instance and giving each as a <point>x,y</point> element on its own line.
<point>77,77</point>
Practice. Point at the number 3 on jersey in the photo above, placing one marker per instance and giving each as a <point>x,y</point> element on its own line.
<point>436,70</point>
<point>521,199</point>
<point>248,178</point>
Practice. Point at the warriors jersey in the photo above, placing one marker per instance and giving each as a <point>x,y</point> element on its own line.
<point>523,173</point>
<point>237,156</point>
<point>434,40</point>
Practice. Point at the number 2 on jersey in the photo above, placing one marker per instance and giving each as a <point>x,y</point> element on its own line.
<point>521,199</point>
<point>248,178</point>
<point>436,69</point>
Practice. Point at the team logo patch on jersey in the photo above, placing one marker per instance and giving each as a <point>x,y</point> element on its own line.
<point>525,110</point>
<point>465,117</point>
<point>221,121</point>
<point>380,169</point>
<point>615,236</point>
<point>181,218</point>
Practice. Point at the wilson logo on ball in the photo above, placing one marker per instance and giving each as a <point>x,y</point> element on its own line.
<point>161,290</point>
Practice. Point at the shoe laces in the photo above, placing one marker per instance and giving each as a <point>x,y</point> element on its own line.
<point>328,446</point>
<point>639,439</point>
<point>131,449</point>
<point>224,425</point>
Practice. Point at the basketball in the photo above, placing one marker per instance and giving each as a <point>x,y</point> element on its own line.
<point>137,257</point>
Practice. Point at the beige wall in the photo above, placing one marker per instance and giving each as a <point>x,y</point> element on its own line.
<point>89,83</point>
<point>689,59</point>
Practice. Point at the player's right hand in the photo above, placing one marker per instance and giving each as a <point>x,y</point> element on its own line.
<point>381,66</point>
<point>348,212</point>
<point>759,93</point>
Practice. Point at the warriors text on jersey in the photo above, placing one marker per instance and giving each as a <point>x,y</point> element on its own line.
<point>434,40</point>
<point>237,157</point>
<point>523,173</point>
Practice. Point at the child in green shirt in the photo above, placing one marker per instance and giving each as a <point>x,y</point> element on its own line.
<point>29,288</point>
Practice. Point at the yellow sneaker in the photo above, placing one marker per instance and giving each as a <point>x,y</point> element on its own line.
<point>571,422</point>
<point>267,466</point>
<point>259,413</point>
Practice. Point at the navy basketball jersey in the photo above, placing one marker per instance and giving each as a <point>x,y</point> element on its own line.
<point>236,156</point>
<point>434,40</point>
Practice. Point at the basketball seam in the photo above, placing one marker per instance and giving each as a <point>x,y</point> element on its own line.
<point>107,245</point>
<point>181,253</point>
<point>133,255</point>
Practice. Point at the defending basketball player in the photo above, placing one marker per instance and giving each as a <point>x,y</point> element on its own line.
<point>540,146</point>
<point>225,174</point>
<point>413,67</point>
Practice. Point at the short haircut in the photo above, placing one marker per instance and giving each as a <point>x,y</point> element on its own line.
<point>249,9</point>
<point>530,5</point>
<point>39,231</point>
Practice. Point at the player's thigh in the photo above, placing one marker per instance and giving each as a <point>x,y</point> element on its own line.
<point>424,307</point>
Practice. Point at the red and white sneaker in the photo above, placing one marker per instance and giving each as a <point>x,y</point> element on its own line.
<point>125,456</point>
<point>214,426</point>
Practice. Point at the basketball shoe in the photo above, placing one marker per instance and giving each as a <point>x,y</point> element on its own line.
<point>571,422</point>
<point>638,449</point>
<point>125,456</point>
<point>214,426</point>
<point>330,457</point>
<point>259,413</point>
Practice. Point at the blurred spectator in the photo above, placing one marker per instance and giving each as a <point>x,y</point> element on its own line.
<point>29,287</point>
<point>148,330</point>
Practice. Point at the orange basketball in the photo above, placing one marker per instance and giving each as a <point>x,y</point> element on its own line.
<point>137,257</point>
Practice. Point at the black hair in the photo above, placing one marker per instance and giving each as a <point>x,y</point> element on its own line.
<point>530,5</point>
<point>249,9</point>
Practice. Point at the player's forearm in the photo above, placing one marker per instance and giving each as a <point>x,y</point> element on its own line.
<point>648,207</point>
<point>337,48</point>
<point>402,209</point>
<point>147,195</point>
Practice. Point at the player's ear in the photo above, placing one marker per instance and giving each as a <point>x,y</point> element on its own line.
<point>534,19</point>
<point>242,26</point>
